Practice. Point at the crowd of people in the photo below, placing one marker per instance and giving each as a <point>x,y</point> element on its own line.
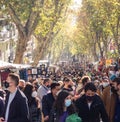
<point>70,95</point>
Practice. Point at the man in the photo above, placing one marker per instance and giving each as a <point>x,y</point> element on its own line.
<point>116,84</point>
<point>44,89</point>
<point>109,98</point>
<point>21,84</point>
<point>16,108</point>
<point>90,106</point>
<point>67,84</point>
<point>84,80</point>
<point>48,100</point>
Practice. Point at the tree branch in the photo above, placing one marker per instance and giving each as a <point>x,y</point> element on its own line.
<point>35,17</point>
<point>34,24</point>
<point>16,19</point>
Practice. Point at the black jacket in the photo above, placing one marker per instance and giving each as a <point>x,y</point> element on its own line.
<point>96,111</point>
<point>55,117</point>
<point>35,112</point>
<point>18,111</point>
<point>1,106</point>
<point>47,103</point>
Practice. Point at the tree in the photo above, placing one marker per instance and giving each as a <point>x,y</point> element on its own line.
<point>49,26</point>
<point>112,9</point>
<point>34,17</point>
<point>98,16</point>
<point>25,14</point>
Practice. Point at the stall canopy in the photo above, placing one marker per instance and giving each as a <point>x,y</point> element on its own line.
<point>4,65</point>
<point>19,66</point>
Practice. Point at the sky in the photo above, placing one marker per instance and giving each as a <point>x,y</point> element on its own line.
<point>76,4</point>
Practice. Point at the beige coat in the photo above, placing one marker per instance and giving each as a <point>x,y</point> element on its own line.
<point>109,100</point>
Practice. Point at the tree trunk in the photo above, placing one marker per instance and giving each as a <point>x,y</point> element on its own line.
<point>21,47</point>
<point>94,52</point>
<point>98,40</point>
<point>38,53</point>
<point>100,48</point>
<point>106,42</point>
<point>44,45</point>
<point>115,31</point>
<point>24,30</point>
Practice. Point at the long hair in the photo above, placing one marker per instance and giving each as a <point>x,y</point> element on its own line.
<point>60,103</point>
<point>28,93</point>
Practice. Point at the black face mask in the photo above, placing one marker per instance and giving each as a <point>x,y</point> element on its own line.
<point>48,86</point>
<point>69,86</point>
<point>6,84</point>
<point>89,98</point>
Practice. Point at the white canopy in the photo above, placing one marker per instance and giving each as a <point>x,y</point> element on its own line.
<point>4,65</point>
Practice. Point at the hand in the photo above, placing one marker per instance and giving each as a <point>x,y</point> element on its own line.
<point>76,97</point>
<point>46,118</point>
<point>2,119</point>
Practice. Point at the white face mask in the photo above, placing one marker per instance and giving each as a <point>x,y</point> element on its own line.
<point>68,102</point>
<point>105,84</point>
<point>111,72</point>
<point>34,94</point>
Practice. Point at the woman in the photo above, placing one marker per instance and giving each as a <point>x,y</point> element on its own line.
<point>63,108</point>
<point>33,103</point>
<point>90,106</point>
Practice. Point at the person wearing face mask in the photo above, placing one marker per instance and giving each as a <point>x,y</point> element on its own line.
<point>98,86</point>
<point>16,107</point>
<point>21,84</point>
<point>109,96</point>
<point>62,108</point>
<point>67,84</point>
<point>90,106</point>
<point>84,81</point>
<point>33,103</point>
<point>44,89</point>
<point>105,83</point>
<point>48,100</point>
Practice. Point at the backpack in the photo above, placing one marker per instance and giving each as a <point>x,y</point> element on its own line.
<point>73,118</point>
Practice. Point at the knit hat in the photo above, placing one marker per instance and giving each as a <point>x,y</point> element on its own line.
<point>112,77</point>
